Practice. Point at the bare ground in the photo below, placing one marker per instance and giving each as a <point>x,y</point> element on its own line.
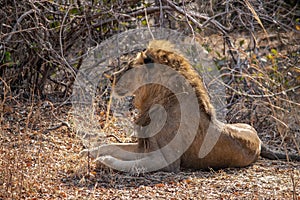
<point>39,160</point>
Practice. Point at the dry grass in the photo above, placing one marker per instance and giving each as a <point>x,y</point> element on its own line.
<point>39,160</point>
<point>41,164</point>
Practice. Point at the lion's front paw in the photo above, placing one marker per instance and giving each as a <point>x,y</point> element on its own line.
<point>92,153</point>
<point>84,153</point>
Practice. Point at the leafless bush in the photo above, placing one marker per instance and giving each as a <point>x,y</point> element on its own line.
<point>42,42</point>
<point>42,45</point>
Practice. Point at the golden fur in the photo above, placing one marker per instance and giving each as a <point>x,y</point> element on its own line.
<point>238,145</point>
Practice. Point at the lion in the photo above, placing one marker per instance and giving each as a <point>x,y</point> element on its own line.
<point>229,145</point>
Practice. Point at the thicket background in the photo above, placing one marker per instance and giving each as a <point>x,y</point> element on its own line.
<point>255,44</point>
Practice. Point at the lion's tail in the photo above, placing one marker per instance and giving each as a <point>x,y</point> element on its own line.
<point>272,155</point>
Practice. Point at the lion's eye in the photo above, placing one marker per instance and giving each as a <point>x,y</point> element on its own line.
<point>148,60</point>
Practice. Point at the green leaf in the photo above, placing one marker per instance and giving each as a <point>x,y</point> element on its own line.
<point>74,11</point>
<point>260,74</point>
<point>242,42</point>
<point>274,52</point>
<point>50,17</point>
<point>7,57</point>
<point>270,57</point>
<point>124,23</point>
<point>144,22</point>
<point>55,24</point>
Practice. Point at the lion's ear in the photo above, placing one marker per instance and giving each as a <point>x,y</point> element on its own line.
<point>142,58</point>
<point>139,60</point>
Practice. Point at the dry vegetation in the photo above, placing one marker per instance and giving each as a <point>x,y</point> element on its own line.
<point>39,161</point>
<point>255,44</point>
